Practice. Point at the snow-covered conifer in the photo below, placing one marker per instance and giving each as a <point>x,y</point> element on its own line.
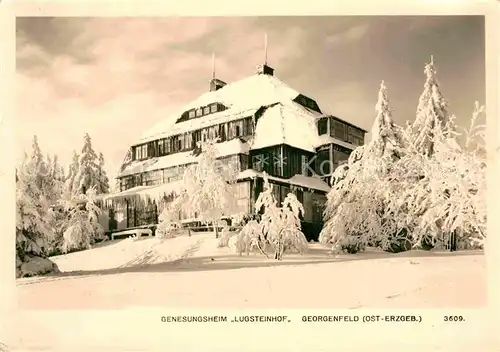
<point>88,169</point>
<point>70,179</point>
<point>33,231</point>
<point>450,199</point>
<point>356,213</point>
<point>103,177</point>
<point>432,112</point>
<point>385,134</point>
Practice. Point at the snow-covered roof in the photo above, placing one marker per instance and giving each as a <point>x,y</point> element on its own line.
<point>168,127</point>
<point>240,97</point>
<point>311,182</point>
<point>144,191</point>
<point>286,124</point>
<point>232,147</point>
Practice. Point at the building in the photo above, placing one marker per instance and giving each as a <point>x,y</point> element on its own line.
<point>263,125</point>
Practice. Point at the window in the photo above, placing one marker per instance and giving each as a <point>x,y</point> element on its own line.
<point>152,178</point>
<point>338,130</point>
<point>161,147</point>
<point>284,192</point>
<point>196,137</point>
<point>206,110</point>
<point>199,112</point>
<point>300,195</point>
<point>151,149</point>
<point>304,167</point>
<point>323,126</point>
<point>340,156</point>
<point>355,132</point>
<point>138,153</point>
<point>248,127</point>
<point>168,146</point>
<point>258,162</point>
<point>212,132</point>
<point>235,129</point>
<point>213,108</point>
<point>137,180</point>
<point>354,140</point>
<point>276,192</point>
<point>191,114</point>
<point>188,141</point>
<point>243,162</point>
<point>222,132</point>
<point>180,144</point>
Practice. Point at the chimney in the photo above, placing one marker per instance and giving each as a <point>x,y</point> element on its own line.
<point>216,84</point>
<point>265,70</point>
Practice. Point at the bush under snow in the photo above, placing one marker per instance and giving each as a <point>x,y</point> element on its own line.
<point>278,229</point>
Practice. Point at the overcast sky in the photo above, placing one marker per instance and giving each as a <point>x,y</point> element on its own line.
<point>114,78</point>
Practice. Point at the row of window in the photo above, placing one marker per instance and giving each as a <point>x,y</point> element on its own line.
<point>341,131</point>
<point>146,212</point>
<point>202,111</point>
<point>175,173</point>
<point>188,141</point>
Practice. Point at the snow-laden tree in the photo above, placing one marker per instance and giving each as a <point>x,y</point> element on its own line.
<point>386,139</point>
<point>356,207</point>
<point>250,237</point>
<point>103,186</point>
<point>279,227</point>
<point>432,113</point>
<point>57,175</point>
<point>207,188</point>
<point>88,173</point>
<point>448,202</point>
<point>168,220</point>
<point>70,179</point>
<point>410,193</point>
<point>33,232</point>
<point>40,170</point>
<point>53,193</point>
<point>82,228</point>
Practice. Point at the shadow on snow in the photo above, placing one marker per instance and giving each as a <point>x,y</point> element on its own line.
<point>315,255</point>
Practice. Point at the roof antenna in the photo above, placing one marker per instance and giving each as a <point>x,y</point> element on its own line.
<point>213,65</point>
<point>265,48</point>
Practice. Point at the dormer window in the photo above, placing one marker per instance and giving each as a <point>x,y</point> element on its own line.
<point>191,114</point>
<point>307,102</point>
<point>323,126</point>
<point>213,108</point>
<point>206,110</point>
<point>199,112</point>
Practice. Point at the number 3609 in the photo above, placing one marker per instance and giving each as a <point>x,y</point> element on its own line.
<point>453,318</point>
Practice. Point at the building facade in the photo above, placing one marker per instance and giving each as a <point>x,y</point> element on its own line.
<point>262,125</point>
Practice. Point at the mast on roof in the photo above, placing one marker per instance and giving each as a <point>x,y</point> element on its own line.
<point>265,48</point>
<point>264,69</point>
<point>213,65</point>
<point>215,83</point>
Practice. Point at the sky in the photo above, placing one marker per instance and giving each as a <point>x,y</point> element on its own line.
<point>114,78</point>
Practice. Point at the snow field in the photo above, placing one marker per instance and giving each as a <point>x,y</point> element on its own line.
<point>192,272</point>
